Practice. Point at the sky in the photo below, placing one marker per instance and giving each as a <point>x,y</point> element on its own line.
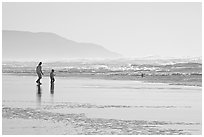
<point>132,29</point>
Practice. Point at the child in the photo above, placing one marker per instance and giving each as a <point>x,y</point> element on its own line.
<point>52,76</point>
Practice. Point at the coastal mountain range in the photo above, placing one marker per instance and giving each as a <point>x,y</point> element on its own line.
<point>24,45</point>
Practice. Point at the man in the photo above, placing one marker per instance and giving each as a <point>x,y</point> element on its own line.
<point>39,72</point>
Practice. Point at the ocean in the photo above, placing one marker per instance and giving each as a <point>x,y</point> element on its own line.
<point>180,72</point>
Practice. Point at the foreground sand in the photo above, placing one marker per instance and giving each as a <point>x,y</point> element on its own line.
<point>23,126</point>
<point>31,121</point>
<point>86,106</point>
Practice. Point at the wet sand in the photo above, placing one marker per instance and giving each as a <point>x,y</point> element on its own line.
<point>89,106</point>
<point>23,126</point>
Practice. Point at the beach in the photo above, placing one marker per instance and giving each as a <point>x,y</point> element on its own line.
<point>83,105</point>
<point>101,68</point>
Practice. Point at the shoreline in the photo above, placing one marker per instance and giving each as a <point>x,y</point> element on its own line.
<point>146,79</point>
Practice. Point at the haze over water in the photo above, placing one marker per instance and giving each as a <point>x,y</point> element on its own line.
<point>137,29</point>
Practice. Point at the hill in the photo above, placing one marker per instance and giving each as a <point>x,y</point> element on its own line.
<point>23,45</point>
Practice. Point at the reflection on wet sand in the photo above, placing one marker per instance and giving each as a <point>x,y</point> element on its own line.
<point>39,94</point>
<point>52,88</point>
<point>52,92</point>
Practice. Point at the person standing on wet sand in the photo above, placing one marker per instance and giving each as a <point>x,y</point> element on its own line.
<point>52,79</point>
<point>39,72</point>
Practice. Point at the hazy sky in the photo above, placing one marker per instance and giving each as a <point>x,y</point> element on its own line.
<point>132,29</point>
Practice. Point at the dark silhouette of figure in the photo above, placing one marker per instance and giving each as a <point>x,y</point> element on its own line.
<point>52,88</point>
<point>142,75</point>
<point>39,72</point>
<point>52,79</point>
<point>39,93</point>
